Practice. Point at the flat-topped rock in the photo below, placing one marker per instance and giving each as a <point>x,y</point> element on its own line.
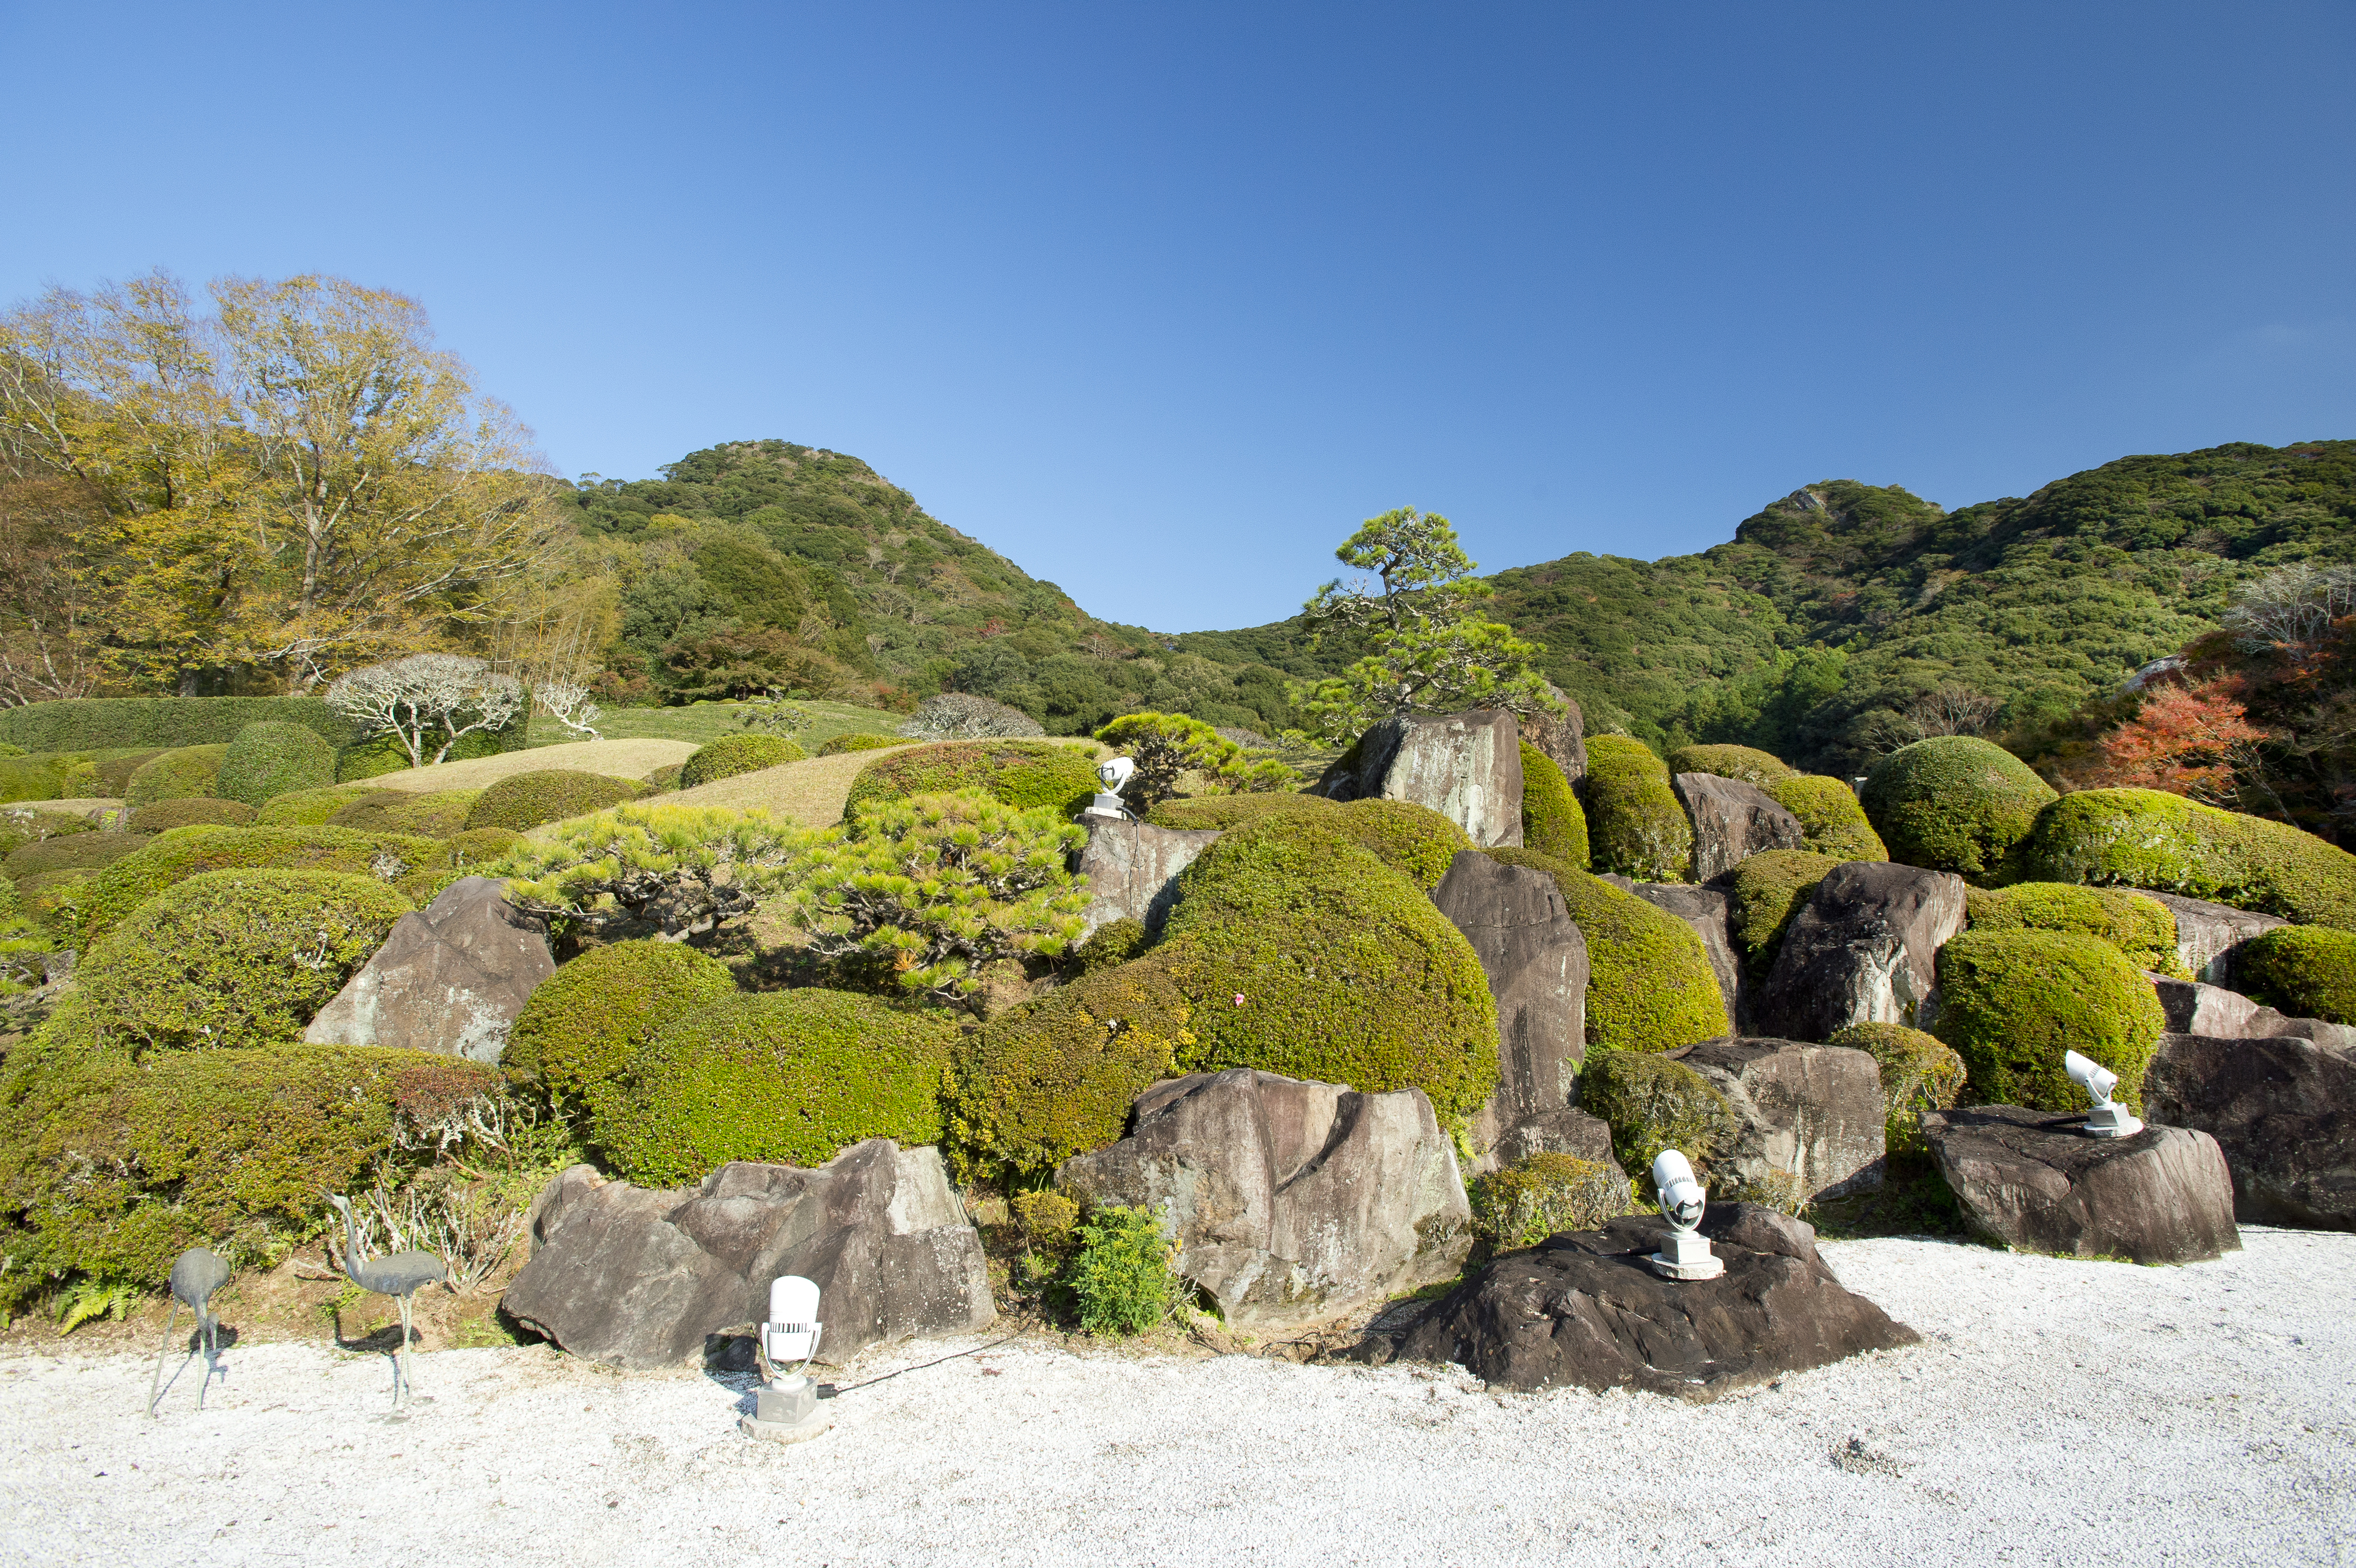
<point>2193,1007</point>
<point>2282,1108</point>
<point>1131,870</point>
<point>1864,951</point>
<point>2210,937</point>
<point>2036,1181</point>
<point>1467,766</point>
<point>1813,1121</point>
<point>1733,820</point>
<point>1536,964</point>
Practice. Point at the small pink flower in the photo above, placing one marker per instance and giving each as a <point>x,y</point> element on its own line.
<point>1239,998</point>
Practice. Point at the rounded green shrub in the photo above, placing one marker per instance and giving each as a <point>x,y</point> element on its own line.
<point>269,760</point>
<point>1650,984</point>
<point>36,778</point>
<point>782,1077</point>
<point>56,901</point>
<point>1954,804</point>
<point>1414,841</point>
<point>734,754</point>
<point>522,802</point>
<point>1831,820</point>
<point>2307,971</point>
<point>183,852</point>
<point>311,807</point>
<point>2013,1002</point>
<point>21,825</point>
<point>175,776</point>
<point>469,853</point>
<point>1919,1073</point>
<point>1224,811</point>
<point>196,810</point>
<point>1769,889</point>
<point>1652,1103</point>
<point>1111,945</point>
<point>1747,763</point>
<point>114,766</point>
<point>9,748</point>
<point>234,958</point>
<point>663,781</point>
<point>581,1031</point>
<point>1022,773</point>
<point>2143,928</point>
<point>1636,825</point>
<point>1546,1194</point>
<point>74,852</point>
<point>1552,824</point>
<point>434,815</point>
<point>2144,838</point>
<point>1055,1077</point>
<point>861,741</point>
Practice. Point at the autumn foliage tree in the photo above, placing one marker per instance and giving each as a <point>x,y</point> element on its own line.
<point>2187,740</point>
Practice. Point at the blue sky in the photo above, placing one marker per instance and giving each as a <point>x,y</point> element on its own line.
<point>1161,301</point>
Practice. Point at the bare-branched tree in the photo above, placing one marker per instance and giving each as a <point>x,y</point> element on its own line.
<point>423,698</point>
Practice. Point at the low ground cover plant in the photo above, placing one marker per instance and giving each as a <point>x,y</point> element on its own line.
<point>1121,1277</point>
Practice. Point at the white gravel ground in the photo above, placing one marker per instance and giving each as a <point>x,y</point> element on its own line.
<point>2057,1413</point>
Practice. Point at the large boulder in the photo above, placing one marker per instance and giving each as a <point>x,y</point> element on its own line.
<point>1291,1203</point>
<point>2210,937</point>
<point>1536,964</point>
<point>1131,869</point>
<point>1813,1118</point>
<point>2036,1181</point>
<point>1583,1310</point>
<point>1865,951</point>
<point>2283,1110</point>
<point>450,980</point>
<point>1467,766</point>
<point>1732,821</point>
<point>1708,911</point>
<point>2192,1007</point>
<point>1559,737</point>
<point>642,1277</point>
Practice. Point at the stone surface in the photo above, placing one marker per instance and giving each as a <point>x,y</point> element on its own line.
<point>1131,868</point>
<point>1467,766</point>
<point>1707,910</point>
<point>1559,738</point>
<point>1863,951</point>
<point>1565,1132</point>
<point>2282,1109</point>
<point>1814,1125</point>
<point>1290,1202</point>
<point>450,980</point>
<point>1733,820</point>
<point>1536,964</point>
<point>643,1277</point>
<point>2035,1181</point>
<point>2210,936</point>
<point>2192,1007</point>
<point>1583,1310</point>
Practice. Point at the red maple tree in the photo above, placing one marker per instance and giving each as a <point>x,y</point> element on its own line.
<point>2187,740</point>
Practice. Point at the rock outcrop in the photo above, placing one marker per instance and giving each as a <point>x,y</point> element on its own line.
<point>2036,1181</point>
<point>450,980</point>
<point>1132,870</point>
<point>2192,1007</point>
<point>1733,821</point>
<point>1863,951</point>
<point>1536,964</point>
<point>1291,1203</point>
<point>2283,1109</point>
<point>1813,1120</point>
<point>1709,911</point>
<point>1467,766</point>
<point>1560,738</point>
<point>2210,936</point>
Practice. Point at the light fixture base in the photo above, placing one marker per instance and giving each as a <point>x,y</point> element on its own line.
<point>1685,1255</point>
<point>783,1432</point>
<point>2111,1120</point>
<point>1105,805</point>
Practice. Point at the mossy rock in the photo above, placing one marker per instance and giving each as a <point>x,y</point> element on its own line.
<point>1747,763</point>
<point>2142,929</point>
<point>1654,1103</point>
<point>183,852</point>
<point>734,754</point>
<point>269,760</point>
<point>313,808</point>
<point>580,1033</point>
<point>73,852</point>
<point>2144,838</point>
<point>1831,820</point>
<point>233,958</point>
<point>436,815</point>
<point>861,741</point>
<point>1769,888</point>
<point>1552,823</point>
<point>1650,984</point>
<point>2307,971</point>
<point>522,802</point>
<point>1055,1077</point>
<point>2012,1004</point>
<point>1954,804</point>
<point>781,1077</point>
<point>1636,825</point>
<point>1918,1072</point>
<point>1547,1194</point>
<point>1022,773</point>
<point>197,810</point>
<point>175,776</point>
<point>1220,812</point>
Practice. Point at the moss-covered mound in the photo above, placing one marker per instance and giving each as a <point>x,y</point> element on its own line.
<point>661,780</point>
<point>197,810</point>
<point>1301,953</point>
<point>184,853</point>
<point>175,776</point>
<point>1830,817</point>
<point>1111,945</point>
<point>1650,984</point>
<point>861,741</point>
<point>267,760</point>
<point>2307,971</point>
<point>234,958</point>
<point>2143,928</point>
<point>311,807</point>
<point>1654,1103</point>
<point>1552,823</point>
<point>1054,1078</point>
<point>1634,824</point>
<point>522,802</point>
<point>2012,1004</point>
<point>1954,804</point>
<point>1747,763</point>
<point>1547,1194</point>
<point>1769,889</point>
<point>1022,773</point>
<point>734,754</point>
<point>581,1032</point>
<point>784,1077</point>
<point>73,852</point>
<point>1414,841</point>
<point>2143,838</point>
<point>435,815</point>
<point>1919,1073</point>
<point>1224,811</point>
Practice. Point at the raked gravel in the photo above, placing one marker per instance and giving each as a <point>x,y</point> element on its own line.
<point>2057,1411</point>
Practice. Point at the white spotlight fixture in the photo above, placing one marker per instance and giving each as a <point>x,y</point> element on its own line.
<point>784,1409</point>
<point>1684,1252</point>
<point>2108,1119</point>
<point>1113,773</point>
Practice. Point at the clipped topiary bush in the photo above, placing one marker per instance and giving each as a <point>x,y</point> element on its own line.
<point>1831,820</point>
<point>2142,929</point>
<point>184,853</point>
<point>861,741</point>
<point>661,780</point>
<point>175,776</point>
<point>1650,984</point>
<point>31,778</point>
<point>311,807</point>
<point>581,1031</point>
<point>1545,1195</point>
<point>1111,945</point>
<point>734,754</point>
<point>522,802</point>
<point>196,810</point>
<point>56,901</point>
<point>1552,824</point>
<point>2307,971</point>
<point>1747,763</point>
<point>114,766</point>
<point>23,823</point>
<point>2013,1002</point>
<point>1022,773</point>
<point>1654,1103</point>
<point>1414,841</point>
<point>2144,838</point>
<point>73,852</point>
<point>1954,804</point>
<point>1634,824</point>
<point>1919,1073</point>
<point>269,760</point>
<point>1221,813</point>
<point>1769,889</point>
<point>157,723</point>
<point>435,815</point>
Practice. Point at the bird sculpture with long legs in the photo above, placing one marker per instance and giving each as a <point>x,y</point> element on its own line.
<point>196,1274</point>
<point>397,1274</point>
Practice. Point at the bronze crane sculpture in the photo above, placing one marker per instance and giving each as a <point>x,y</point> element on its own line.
<point>196,1274</point>
<point>398,1275</point>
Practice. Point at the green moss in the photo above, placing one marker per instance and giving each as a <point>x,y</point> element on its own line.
<point>859,742</point>
<point>783,1077</point>
<point>2142,929</point>
<point>1650,984</point>
<point>165,815</point>
<point>1635,825</point>
<point>1744,762</point>
<point>1552,823</point>
<point>2143,838</point>
<point>183,852</point>
<point>2013,1002</point>
<point>734,754</point>
<point>1022,773</point>
<point>1224,811</point>
<point>2307,971</point>
<point>522,802</point>
<point>311,807</point>
<point>1954,804</point>
<point>175,776</point>
<point>1055,1078</point>
<point>1652,1103</point>
<point>1546,1194</point>
<point>435,815</point>
<point>1769,889</point>
<point>581,1032</point>
<point>270,760</point>
<point>1919,1073</point>
<point>1414,841</point>
<point>74,852</point>
<point>1831,819</point>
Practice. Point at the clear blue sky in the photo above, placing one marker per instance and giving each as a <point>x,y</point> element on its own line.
<point>1161,301</point>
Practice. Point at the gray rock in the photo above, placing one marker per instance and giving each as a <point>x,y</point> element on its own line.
<point>2210,937</point>
<point>1564,1131</point>
<point>641,1277</point>
<point>2194,1008</point>
<point>1467,766</point>
<point>1582,1310</point>
<point>1559,738</point>
<point>2283,1109</point>
<point>1536,964</point>
<point>1291,1203</point>
<point>1864,951</point>
<point>1709,911</point>
<point>1133,868</point>
<point>1733,821</point>
<point>1813,1120</point>
<point>2035,1181</point>
<point>450,980</point>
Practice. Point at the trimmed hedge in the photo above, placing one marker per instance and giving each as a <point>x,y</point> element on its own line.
<point>175,775</point>
<point>1650,984</point>
<point>2143,928</point>
<point>1634,823</point>
<point>1552,823</point>
<point>1652,1103</point>
<point>661,780</point>
<point>1919,1073</point>
<point>2144,838</point>
<point>1747,763</point>
<point>1769,889</point>
<point>269,760</point>
<point>436,814</point>
<point>1546,1194</point>
<point>31,778</point>
<point>522,802</point>
<point>311,807</point>
<point>162,723</point>
<point>56,901</point>
<point>72,851</point>
<point>195,809</point>
<point>184,853</point>
<point>581,1031</point>
<point>21,825</point>
<point>2012,1003</point>
<point>1224,811</point>
<point>1831,820</point>
<point>1954,804</point>
<point>1022,773</point>
<point>734,754</point>
<point>2307,971</point>
<point>115,766</point>
<point>861,741</point>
